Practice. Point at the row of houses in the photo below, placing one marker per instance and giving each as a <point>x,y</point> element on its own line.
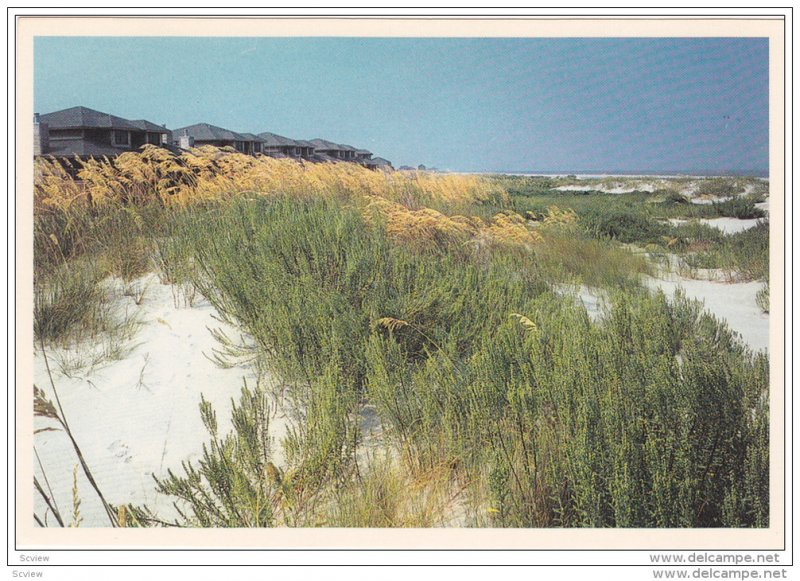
<point>84,133</point>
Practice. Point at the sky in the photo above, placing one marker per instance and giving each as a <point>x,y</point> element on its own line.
<point>464,104</point>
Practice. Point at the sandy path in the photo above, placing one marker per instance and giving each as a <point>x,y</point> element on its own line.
<point>139,416</point>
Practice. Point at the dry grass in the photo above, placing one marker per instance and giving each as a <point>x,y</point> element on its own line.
<point>387,494</point>
<point>208,173</point>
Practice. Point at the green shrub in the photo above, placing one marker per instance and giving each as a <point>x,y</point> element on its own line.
<point>742,208</point>
<point>719,187</point>
<point>671,198</point>
<point>762,298</point>
<point>654,416</point>
<point>745,253</point>
<point>122,241</point>
<point>235,483</point>
<point>624,226</point>
<point>67,301</point>
<point>596,263</point>
<point>608,425</point>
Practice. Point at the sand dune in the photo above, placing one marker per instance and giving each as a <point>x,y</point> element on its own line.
<point>138,416</point>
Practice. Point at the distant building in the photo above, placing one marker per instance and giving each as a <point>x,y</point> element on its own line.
<point>258,143</point>
<point>280,146</point>
<point>83,132</point>
<point>349,152</point>
<point>307,150</point>
<point>331,150</point>
<point>379,163</point>
<point>205,134</point>
<point>363,156</point>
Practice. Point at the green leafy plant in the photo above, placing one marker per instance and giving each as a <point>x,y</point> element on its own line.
<point>235,484</point>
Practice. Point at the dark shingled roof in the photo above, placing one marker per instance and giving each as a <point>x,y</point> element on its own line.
<point>89,118</point>
<point>347,147</point>
<point>206,132</point>
<point>253,137</point>
<point>146,125</point>
<point>275,140</point>
<point>304,143</point>
<point>379,161</point>
<point>363,152</point>
<point>326,145</point>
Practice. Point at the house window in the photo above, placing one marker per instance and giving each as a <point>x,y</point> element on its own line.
<point>121,138</point>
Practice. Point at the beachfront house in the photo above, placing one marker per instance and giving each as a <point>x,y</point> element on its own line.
<point>84,133</point>
<point>306,148</point>
<point>279,146</point>
<point>206,134</point>
<point>328,149</point>
<point>362,156</point>
<point>349,152</point>
<point>379,163</point>
<point>257,143</point>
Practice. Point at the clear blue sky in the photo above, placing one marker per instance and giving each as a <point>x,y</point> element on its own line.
<point>460,104</point>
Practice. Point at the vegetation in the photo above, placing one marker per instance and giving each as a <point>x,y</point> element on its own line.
<point>433,300</point>
<point>745,254</point>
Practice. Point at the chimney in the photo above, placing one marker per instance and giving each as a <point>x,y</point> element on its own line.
<point>186,141</point>
<point>41,136</point>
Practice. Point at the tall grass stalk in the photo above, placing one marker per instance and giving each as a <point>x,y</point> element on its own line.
<point>43,407</point>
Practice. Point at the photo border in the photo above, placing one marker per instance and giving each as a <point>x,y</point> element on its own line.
<point>22,162</point>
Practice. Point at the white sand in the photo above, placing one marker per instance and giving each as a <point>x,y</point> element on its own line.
<point>727,225</point>
<point>709,201</point>
<point>735,303</point>
<point>591,298</point>
<point>615,190</point>
<point>130,429</point>
<point>731,225</point>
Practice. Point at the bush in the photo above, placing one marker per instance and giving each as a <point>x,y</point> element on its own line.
<point>564,421</point>
<point>236,485</point>
<point>744,254</point>
<point>624,226</point>
<point>594,425</point>
<point>762,299</point>
<point>742,208</point>
<point>67,301</point>
<point>672,198</point>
